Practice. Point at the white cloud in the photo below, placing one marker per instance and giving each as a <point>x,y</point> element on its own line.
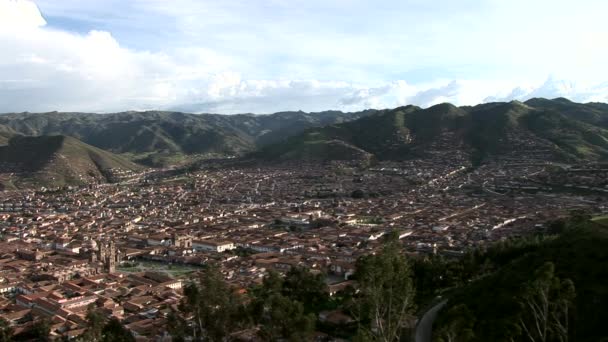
<point>18,14</point>
<point>43,68</point>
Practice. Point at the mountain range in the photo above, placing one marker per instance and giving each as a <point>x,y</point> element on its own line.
<point>558,129</point>
<point>156,132</point>
<point>555,129</point>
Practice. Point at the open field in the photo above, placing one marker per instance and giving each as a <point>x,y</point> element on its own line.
<point>175,270</point>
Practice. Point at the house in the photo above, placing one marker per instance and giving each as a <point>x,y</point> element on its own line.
<point>344,269</point>
<point>212,246</point>
<point>159,240</point>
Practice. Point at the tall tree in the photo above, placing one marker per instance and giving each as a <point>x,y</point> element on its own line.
<point>214,307</point>
<point>386,297</point>
<point>307,288</point>
<point>285,319</point>
<point>546,305</point>
<point>565,292</point>
<point>276,310</point>
<point>177,327</point>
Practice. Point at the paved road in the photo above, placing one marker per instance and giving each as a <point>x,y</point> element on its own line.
<point>424,329</point>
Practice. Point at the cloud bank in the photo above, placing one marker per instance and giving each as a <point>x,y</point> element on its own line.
<point>43,68</point>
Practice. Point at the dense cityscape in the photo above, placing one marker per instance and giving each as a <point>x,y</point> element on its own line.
<point>303,171</point>
<point>129,248</point>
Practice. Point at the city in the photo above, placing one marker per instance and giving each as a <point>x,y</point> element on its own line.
<point>128,248</point>
<point>303,171</point>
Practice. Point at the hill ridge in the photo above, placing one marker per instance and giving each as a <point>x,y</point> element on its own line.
<point>58,160</point>
<point>566,129</point>
<point>174,132</point>
<point>562,130</point>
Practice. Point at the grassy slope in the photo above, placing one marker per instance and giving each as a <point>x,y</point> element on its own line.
<point>486,129</point>
<point>591,113</point>
<point>5,134</point>
<point>144,133</point>
<point>57,161</point>
<point>381,134</point>
<point>575,130</point>
<point>575,137</point>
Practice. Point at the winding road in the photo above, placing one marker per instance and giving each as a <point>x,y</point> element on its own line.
<point>424,329</point>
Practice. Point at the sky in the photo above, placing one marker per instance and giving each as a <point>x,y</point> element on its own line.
<point>264,56</point>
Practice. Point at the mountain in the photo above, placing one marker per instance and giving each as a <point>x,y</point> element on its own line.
<point>173,132</point>
<point>52,161</point>
<point>360,138</point>
<point>540,128</point>
<point>5,134</point>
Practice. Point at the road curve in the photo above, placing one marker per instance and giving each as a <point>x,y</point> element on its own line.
<point>424,328</point>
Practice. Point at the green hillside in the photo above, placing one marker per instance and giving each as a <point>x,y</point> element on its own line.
<point>151,136</point>
<point>382,134</point>
<point>5,134</point>
<point>56,161</point>
<point>592,113</point>
<point>548,131</point>
<point>575,137</point>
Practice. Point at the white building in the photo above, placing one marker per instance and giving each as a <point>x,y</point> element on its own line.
<point>212,246</point>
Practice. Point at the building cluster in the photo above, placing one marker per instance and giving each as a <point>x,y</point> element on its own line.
<point>128,248</point>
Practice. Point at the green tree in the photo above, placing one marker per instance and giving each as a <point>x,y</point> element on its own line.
<point>546,305</point>
<point>214,308</point>
<point>95,324</point>
<point>386,297</point>
<point>432,274</point>
<point>285,319</point>
<point>276,310</point>
<point>41,330</point>
<point>565,293</point>
<point>6,331</point>
<point>272,284</point>
<point>177,327</point>
<point>307,288</point>
<point>460,326</point>
<point>114,331</point>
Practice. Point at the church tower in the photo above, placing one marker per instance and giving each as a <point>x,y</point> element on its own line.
<point>107,254</point>
<point>111,258</point>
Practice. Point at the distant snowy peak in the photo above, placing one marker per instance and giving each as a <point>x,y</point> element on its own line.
<point>554,88</point>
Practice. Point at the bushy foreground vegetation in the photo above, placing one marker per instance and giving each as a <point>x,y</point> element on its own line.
<point>543,289</point>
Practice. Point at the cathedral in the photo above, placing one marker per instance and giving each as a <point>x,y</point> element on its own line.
<point>107,254</point>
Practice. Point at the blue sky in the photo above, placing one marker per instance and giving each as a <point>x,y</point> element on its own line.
<point>258,56</point>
